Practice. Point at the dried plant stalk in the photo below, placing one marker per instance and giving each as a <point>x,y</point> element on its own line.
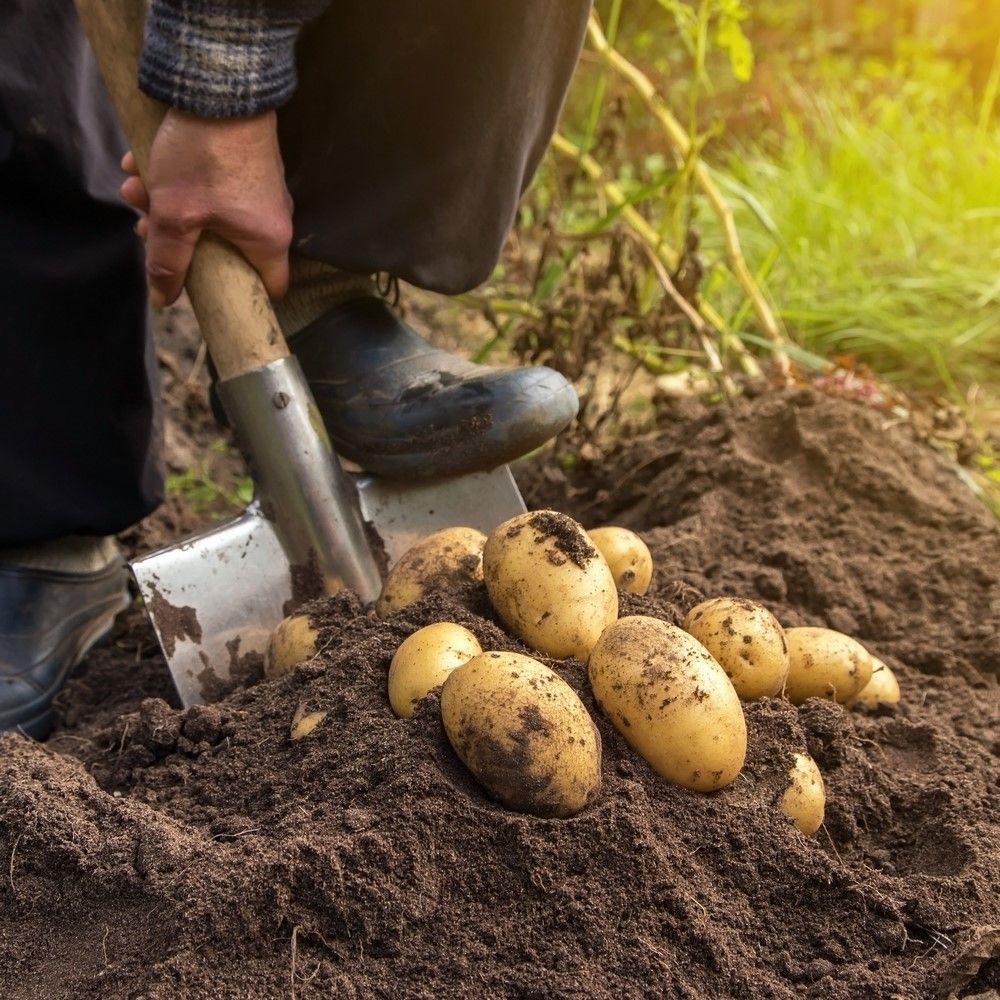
<point>679,139</point>
<point>651,240</point>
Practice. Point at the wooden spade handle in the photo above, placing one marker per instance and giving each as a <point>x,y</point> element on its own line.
<point>229,299</point>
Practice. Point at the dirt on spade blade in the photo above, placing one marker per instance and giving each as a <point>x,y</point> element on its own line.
<point>157,853</point>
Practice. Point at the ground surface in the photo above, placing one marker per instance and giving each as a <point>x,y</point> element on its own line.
<point>149,852</point>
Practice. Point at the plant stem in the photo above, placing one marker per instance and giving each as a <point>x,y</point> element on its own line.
<point>701,328</point>
<point>601,84</point>
<point>682,144</point>
<point>645,233</point>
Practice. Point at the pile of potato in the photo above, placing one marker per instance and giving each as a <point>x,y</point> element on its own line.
<point>673,693</point>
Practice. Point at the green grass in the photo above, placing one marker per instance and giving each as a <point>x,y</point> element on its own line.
<point>875,212</point>
<point>199,487</point>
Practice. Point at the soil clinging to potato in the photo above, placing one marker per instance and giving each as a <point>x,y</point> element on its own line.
<point>565,537</point>
<point>150,852</point>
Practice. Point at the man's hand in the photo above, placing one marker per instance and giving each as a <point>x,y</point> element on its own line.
<point>220,175</point>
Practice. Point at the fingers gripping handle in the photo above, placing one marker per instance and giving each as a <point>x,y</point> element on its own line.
<point>229,299</point>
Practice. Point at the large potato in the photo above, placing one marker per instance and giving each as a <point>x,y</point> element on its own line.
<point>444,561</point>
<point>423,662</point>
<point>746,639</point>
<point>292,641</point>
<point>549,583</point>
<point>804,801</point>
<point>671,701</point>
<point>627,555</point>
<point>882,689</point>
<point>524,733</point>
<point>823,663</point>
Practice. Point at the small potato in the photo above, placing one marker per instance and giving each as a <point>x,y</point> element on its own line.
<point>671,701</point>
<point>805,798</point>
<point>627,555</point>
<point>746,639</point>
<point>524,733</point>
<point>549,583</point>
<point>423,662</point>
<point>292,641</point>
<point>444,561</point>
<point>823,663</point>
<point>304,723</point>
<point>882,689</point>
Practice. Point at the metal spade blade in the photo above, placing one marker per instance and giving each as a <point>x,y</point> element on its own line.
<point>215,598</point>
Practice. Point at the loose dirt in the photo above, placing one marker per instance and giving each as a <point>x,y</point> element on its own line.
<point>151,852</point>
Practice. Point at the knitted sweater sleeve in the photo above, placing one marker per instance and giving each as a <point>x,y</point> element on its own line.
<point>223,58</point>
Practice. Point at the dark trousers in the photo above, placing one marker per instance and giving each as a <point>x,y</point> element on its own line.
<point>415,129</point>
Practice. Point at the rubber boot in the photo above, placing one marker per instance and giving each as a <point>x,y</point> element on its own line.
<point>56,601</point>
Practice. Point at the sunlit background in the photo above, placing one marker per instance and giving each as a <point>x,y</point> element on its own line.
<point>862,144</point>
<point>736,184</point>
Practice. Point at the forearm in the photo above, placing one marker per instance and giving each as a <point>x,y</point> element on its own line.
<point>223,58</point>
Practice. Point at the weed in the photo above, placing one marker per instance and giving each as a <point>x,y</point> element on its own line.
<point>197,487</point>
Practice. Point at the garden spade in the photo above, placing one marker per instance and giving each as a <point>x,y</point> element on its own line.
<point>215,598</point>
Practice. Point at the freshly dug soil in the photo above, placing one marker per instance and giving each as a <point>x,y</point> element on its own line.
<point>149,852</point>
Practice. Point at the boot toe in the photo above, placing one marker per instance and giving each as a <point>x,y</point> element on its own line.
<point>401,408</point>
<point>48,622</point>
<point>474,424</point>
<point>531,406</point>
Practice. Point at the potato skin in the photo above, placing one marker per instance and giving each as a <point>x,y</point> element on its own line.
<point>823,663</point>
<point>671,701</point>
<point>423,662</point>
<point>444,561</point>
<point>549,583</point>
<point>304,723</point>
<point>882,689</point>
<point>524,733</point>
<point>746,640</point>
<point>292,641</point>
<point>627,555</point>
<point>804,801</point>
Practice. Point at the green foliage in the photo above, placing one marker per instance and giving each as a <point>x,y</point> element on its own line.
<point>197,487</point>
<point>881,193</point>
<point>862,164</point>
<point>694,22</point>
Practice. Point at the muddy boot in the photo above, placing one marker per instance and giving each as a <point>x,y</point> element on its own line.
<point>56,600</point>
<point>402,408</point>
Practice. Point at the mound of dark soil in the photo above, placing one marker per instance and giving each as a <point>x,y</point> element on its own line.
<point>150,852</point>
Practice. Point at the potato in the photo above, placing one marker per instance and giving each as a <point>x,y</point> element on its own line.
<point>825,664</point>
<point>882,689</point>
<point>671,701</point>
<point>443,561</point>
<point>747,641</point>
<point>549,583</point>
<point>805,798</point>
<point>424,660</point>
<point>292,641</point>
<point>627,555</point>
<point>304,723</point>
<point>524,733</point>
